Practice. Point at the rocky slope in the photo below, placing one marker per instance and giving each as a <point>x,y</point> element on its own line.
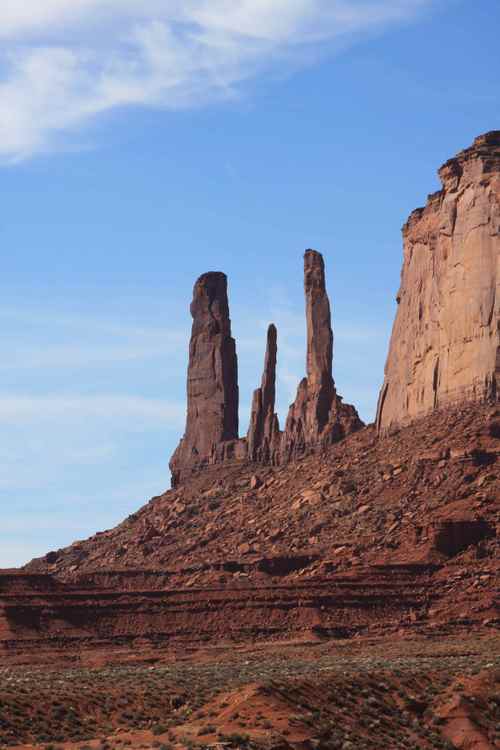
<point>445,345</point>
<point>376,535</point>
<point>365,500</point>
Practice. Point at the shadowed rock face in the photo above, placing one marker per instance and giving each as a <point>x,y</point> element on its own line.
<point>264,434</point>
<point>445,345</point>
<point>212,382</point>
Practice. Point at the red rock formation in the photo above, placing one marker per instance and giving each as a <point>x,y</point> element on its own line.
<point>445,345</point>
<point>264,432</point>
<point>318,416</point>
<point>212,383</point>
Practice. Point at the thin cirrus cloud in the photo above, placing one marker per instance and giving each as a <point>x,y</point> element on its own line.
<point>49,341</point>
<point>65,62</point>
<point>24,409</point>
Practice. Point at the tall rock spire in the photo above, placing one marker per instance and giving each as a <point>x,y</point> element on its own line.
<point>320,385</point>
<point>318,416</point>
<point>263,433</point>
<point>212,383</point>
<point>445,344</point>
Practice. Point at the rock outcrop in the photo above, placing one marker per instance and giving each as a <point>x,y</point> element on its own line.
<point>264,432</point>
<point>212,381</point>
<point>445,345</point>
<point>318,416</point>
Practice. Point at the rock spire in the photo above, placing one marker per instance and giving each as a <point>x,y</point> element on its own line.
<point>317,416</point>
<point>264,433</point>
<point>445,344</point>
<point>212,381</point>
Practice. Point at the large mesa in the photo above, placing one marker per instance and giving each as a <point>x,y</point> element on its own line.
<point>445,344</point>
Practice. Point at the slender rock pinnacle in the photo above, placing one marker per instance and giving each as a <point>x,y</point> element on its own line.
<point>320,385</point>
<point>318,415</point>
<point>264,425</point>
<point>212,383</point>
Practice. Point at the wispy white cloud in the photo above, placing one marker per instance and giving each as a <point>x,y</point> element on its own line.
<point>64,62</point>
<point>15,409</point>
<point>60,341</point>
<point>70,355</point>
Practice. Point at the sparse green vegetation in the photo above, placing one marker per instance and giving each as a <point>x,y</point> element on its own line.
<point>374,699</point>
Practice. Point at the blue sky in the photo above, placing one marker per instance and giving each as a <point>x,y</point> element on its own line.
<point>143,143</point>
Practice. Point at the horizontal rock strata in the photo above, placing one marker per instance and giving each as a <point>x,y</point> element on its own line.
<point>52,625</point>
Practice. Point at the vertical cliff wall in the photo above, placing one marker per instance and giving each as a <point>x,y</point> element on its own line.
<point>445,344</point>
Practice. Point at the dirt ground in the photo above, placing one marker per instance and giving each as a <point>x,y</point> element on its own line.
<point>413,693</point>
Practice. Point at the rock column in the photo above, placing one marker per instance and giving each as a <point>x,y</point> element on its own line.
<point>320,385</point>
<point>212,383</point>
<point>263,433</point>
<point>317,416</point>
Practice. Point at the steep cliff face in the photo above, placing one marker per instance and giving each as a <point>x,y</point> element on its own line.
<point>212,381</point>
<point>445,344</point>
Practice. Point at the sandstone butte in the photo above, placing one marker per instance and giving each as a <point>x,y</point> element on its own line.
<point>317,418</point>
<point>445,344</point>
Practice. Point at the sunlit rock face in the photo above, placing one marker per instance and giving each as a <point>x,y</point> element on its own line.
<point>445,344</point>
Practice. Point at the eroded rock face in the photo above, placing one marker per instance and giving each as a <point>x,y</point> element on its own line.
<point>317,416</point>
<point>445,345</point>
<point>212,382</point>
